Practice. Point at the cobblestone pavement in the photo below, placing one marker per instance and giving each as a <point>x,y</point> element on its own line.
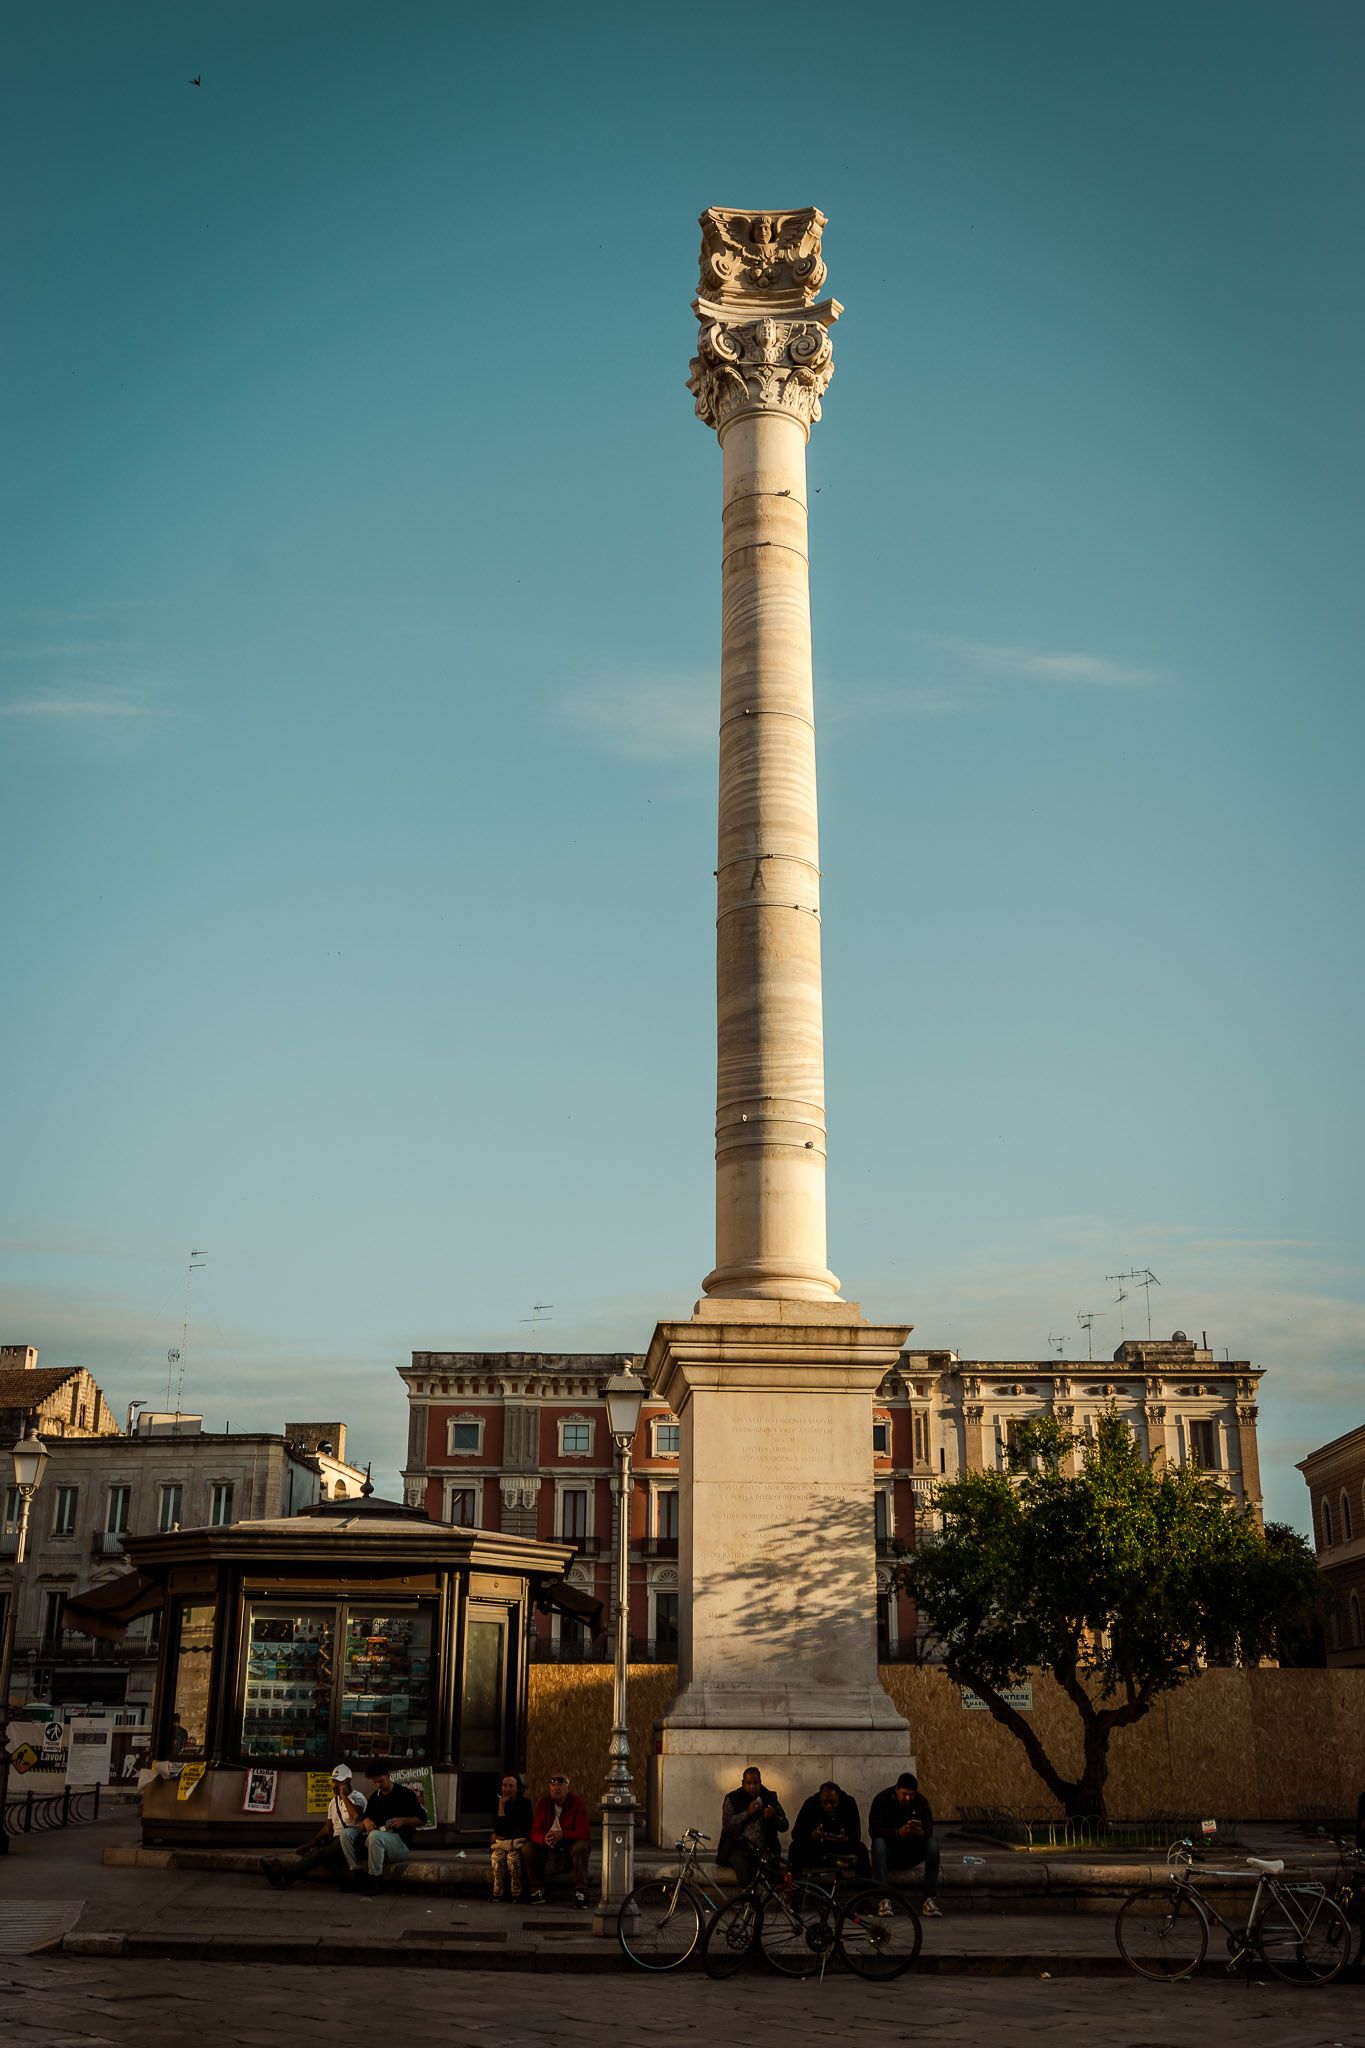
<point>61,2003</point>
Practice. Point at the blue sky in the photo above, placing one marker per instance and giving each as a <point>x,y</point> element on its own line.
<point>357,700</point>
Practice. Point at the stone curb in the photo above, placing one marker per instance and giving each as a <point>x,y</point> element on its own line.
<point>363,1954</point>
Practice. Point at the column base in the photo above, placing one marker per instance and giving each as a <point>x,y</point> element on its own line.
<point>777,1653</point>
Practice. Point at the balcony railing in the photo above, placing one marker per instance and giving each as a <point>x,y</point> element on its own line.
<point>107,1543</point>
<point>658,1546</point>
<point>69,1648</point>
<point>598,1650</point>
<point>589,1546</point>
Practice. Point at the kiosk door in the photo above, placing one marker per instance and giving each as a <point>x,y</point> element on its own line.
<point>485,1742</point>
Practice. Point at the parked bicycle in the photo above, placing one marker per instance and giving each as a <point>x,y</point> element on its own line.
<point>1348,1892</point>
<point>660,1923</point>
<point>797,1926</point>
<point>1300,1933</point>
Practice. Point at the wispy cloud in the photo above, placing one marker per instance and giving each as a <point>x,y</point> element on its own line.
<point>1042,665</point>
<point>85,707</point>
<point>648,715</point>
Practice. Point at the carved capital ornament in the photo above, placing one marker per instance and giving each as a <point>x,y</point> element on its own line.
<point>763,344</point>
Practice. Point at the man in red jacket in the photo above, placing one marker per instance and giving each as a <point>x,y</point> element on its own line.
<point>561,1836</point>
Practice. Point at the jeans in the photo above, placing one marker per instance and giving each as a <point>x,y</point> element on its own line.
<point>899,1853</point>
<point>380,1846</point>
<point>312,1859</point>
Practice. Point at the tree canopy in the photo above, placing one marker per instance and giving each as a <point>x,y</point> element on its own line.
<point>1117,1575</point>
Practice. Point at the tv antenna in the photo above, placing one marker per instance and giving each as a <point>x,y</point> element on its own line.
<point>1119,1300</point>
<point>1057,1344</point>
<point>176,1356</point>
<point>1147,1280</point>
<point>538,1309</point>
<point>1087,1318</point>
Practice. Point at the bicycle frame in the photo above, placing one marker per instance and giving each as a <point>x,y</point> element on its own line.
<point>1269,1890</point>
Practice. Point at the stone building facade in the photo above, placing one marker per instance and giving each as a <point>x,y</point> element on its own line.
<point>1335,1477</point>
<point>60,1400</point>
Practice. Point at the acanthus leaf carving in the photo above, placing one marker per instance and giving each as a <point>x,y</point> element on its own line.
<point>764,364</point>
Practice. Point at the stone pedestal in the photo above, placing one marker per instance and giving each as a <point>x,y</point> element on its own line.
<point>777,1661</point>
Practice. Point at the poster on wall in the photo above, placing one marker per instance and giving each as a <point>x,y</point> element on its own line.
<point>1020,1697</point>
<point>190,1774</point>
<point>258,1790</point>
<point>37,1751</point>
<point>320,1789</point>
<point>419,1776</point>
<point>90,1754</point>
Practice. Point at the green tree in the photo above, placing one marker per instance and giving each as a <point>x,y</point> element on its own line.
<point>1116,1575</point>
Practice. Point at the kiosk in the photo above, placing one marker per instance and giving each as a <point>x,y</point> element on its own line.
<point>355,1631</point>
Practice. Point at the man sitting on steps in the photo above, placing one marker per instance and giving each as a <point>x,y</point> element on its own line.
<point>561,1838</point>
<point>902,1830</point>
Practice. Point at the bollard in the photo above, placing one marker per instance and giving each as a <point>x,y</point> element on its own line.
<point>28,1814</point>
<point>66,1806</point>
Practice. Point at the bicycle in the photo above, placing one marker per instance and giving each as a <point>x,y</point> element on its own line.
<point>660,1923</point>
<point>792,1922</point>
<point>798,1926</point>
<point>1348,1892</point>
<point>1295,1929</point>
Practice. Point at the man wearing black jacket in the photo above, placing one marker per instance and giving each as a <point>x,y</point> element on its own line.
<point>751,1820</point>
<point>902,1829</point>
<point>828,1833</point>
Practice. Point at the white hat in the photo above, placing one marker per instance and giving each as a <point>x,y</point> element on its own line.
<point>341,1771</point>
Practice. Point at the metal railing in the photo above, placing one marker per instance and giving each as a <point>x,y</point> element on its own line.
<point>598,1650</point>
<point>1089,1831</point>
<point>33,1811</point>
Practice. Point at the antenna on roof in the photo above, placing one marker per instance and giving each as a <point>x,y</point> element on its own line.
<point>538,1310</point>
<point>197,1261</point>
<point>1087,1318</point>
<point>1057,1344</point>
<point>1121,1297</point>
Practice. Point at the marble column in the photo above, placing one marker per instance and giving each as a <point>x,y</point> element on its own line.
<point>773,1376</point>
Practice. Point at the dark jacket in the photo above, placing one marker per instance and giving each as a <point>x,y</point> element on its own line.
<point>735,1824</point>
<point>400,1809</point>
<point>514,1825</point>
<point>887,1815</point>
<point>805,1849</point>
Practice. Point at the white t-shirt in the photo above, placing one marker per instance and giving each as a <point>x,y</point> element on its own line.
<point>336,1813</point>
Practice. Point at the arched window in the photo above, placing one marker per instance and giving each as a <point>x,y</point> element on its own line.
<point>1345,1516</point>
<point>1327,1525</point>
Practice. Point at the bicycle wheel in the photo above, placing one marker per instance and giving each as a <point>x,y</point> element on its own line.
<point>1161,1934</point>
<point>797,1929</point>
<point>876,1944</point>
<point>659,1924</point>
<point>730,1936</point>
<point>1305,1939</point>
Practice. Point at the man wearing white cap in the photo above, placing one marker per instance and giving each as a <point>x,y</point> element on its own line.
<point>344,1810</point>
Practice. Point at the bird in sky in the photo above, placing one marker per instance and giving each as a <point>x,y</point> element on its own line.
<point>199,80</point>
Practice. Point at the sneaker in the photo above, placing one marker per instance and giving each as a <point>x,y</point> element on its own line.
<point>932,1910</point>
<point>580,1899</point>
<point>537,1898</point>
<point>885,1908</point>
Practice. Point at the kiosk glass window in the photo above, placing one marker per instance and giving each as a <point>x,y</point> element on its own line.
<point>386,1684</point>
<point>287,1707</point>
<point>193,1653</point>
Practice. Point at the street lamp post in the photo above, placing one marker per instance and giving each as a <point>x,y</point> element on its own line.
<point>30,1457</point>
<point>624,1393</point>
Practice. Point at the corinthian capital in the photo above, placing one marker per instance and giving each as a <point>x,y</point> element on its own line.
<point>764,344</point>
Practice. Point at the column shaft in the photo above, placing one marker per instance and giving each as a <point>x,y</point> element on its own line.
<point>770,1088</point>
